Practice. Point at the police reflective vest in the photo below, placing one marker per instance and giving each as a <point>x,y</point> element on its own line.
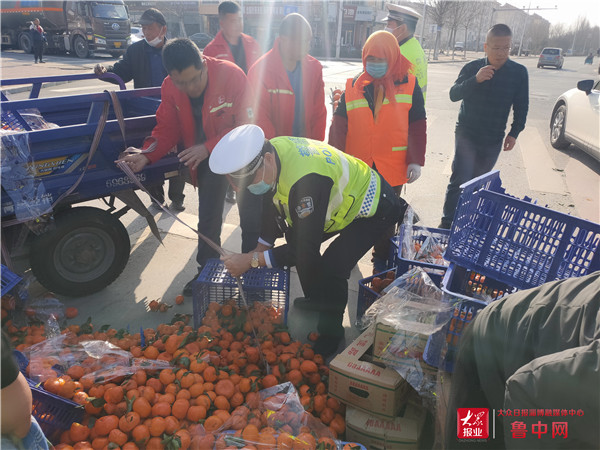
<point>383,143</point>
<point>413,51</point>
<point>356,188</point>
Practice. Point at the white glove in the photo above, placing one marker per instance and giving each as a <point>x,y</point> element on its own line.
<point>413,172</point>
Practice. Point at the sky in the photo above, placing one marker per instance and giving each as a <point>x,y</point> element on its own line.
<point>567,11</point>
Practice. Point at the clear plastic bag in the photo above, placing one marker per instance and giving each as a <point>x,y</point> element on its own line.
<point>41,309</point>
<point>19,181</point>
<point>431,251</point>
<point>407,249</point>
<point>101,360</point>
<point>414,284</point>
<point>413,309</point>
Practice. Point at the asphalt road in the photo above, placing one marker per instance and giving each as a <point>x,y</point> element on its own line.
<point>567,181</point>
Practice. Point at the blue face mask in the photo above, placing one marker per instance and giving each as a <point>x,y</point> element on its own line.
<point>377,69</point>
<point>261,187</point>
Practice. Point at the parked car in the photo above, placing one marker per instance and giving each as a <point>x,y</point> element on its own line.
<point>459,46</point>
<point>576,119</point>
<point>551,56</point>
<point>136,34</point>
<point>201,39</point>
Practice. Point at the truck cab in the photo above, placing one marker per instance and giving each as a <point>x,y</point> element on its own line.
<point>99,26</point>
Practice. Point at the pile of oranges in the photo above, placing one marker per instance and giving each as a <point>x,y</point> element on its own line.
<point>218,371</point>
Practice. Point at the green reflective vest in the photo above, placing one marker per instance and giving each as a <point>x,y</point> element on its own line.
<point>356,188</point>
<point>412,51</point>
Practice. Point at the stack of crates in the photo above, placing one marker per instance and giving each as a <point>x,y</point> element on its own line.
<point>215,284</point>
<point>499,244</point>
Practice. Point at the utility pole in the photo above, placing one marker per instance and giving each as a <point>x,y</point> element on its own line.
<point>339,30</point>
<point>424,21</point>
<point>524,27</point>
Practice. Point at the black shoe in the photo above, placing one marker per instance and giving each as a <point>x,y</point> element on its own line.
<point>36,62</point>
<point>177,206</point>
<point>445,224</point>
<point>43,62</point>
<point>188,290</point>
<point>230,196</point>
<point>306,304</point>
<point>327,345</point>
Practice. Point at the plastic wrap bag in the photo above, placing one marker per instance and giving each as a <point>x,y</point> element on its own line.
<point>431,251</point>
<point>101,360</point>
<point>413,284</point>
<point>407,247</point>
<point>27,192</point>
<point>413,309</point>
<point>41,309</point>
<point>282,414</point>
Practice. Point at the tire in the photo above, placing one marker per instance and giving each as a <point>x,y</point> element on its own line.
<point>116,54</point>
<point>80,47</point>
<point>557,128</point>
<point>540,66</point>
<point>26,43</point>
<point>86,251</point>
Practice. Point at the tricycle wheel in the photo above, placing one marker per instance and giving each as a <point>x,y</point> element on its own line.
<point>86,251</point>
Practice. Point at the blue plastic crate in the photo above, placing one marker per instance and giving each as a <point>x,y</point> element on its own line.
<point>367,296</point>
<point>215,284</point>
<point>9,279</point>
<point>419,234</point>
<point>517,242</point>
<point>470,292</point>
<point>54,413</point>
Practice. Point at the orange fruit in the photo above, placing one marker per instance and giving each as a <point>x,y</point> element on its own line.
<point>129,421</point>
<point>225,388</point>
<point>308,367</point>
<point>185,439</point>
<point>196,413</point>
<point>250,434</point>
<point>105,425</point>
<point>212,423</point>
<point>142,407</point>
<point>78,432</point>
<point>166,376</point>
<point>140,434</point>
<point>171,424</point>
<point>161,409</point>
<point>157,426</point>
<point>269,381</point>
<point>117,436</point>
<point>113,395</point>
<point>221,402</point>
<point>304,441</point>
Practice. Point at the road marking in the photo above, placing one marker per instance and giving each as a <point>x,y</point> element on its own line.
<point>539,166</point>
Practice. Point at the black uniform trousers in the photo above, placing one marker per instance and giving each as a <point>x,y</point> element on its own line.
<point>338,260</point>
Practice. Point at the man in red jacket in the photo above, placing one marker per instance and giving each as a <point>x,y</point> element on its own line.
<point>198,114</point>
<point>239,48</point>
<point>230,43</point>
<point>289,86</point>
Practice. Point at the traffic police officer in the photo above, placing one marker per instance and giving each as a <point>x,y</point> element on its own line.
<point>402,23</point>
<point>312,192</point>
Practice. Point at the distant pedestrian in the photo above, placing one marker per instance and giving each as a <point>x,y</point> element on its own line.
<point>488,88</point>
<point>233,45</point>
<point>38,36</point>
<point>590,59</point>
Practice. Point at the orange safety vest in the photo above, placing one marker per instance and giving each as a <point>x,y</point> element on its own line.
<point>382,143</point>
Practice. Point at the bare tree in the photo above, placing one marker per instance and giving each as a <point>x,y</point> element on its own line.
<point>472,11</point>
<point>438,11</point>
<point>180,10</point>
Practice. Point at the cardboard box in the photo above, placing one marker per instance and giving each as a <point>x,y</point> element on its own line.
<point>385,332</point>
<point>356,380</point>
<point>402,432</point>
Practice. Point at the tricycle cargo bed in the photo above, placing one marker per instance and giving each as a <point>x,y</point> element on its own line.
<point>59,154</point>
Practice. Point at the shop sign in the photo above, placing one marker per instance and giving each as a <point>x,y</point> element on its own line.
<point>349,13</point>
<point>289,9</point>
<point>332,12</point>
<point>365,14</point>
<point>263,11</point>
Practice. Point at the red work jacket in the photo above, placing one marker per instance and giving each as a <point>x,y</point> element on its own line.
<point>227,104</point>
<point>219,48</point>
<point>275,97</point>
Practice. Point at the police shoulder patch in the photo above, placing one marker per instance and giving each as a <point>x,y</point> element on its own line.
<point>305,207</point>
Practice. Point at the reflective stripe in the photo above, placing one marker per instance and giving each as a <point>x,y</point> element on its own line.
<point>399,149</point>
<point>224,105</point>
<point>338,198</point>
<point>367,204</point>
<point>400,98</point>
<point>280,91</point>
<point>360,103</point>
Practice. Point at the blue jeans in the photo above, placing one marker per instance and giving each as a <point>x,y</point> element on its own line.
<point>211,200</point>
<point>471,159</point>
<point>35,439</point>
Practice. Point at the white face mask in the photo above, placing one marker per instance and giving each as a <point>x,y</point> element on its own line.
<point>390,30</point>
<point>154,42</point>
